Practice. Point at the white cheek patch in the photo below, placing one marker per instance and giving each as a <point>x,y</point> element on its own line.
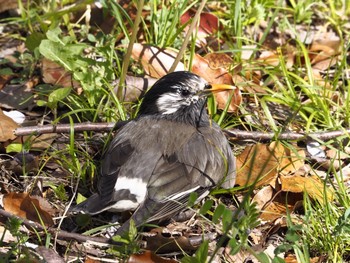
<point>169,103</point>
<point>136,186</point>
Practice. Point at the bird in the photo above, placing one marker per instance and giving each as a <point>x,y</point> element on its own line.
<point>170,150</point>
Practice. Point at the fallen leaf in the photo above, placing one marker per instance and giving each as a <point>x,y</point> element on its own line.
<point>206,67</point>
<point>274,210</point>
<point>323,48</point>
<point>256,164</point>
<point>22,162</point>
<point>263,196</point>
<point>312,185</point>
<point>8,5</point>
<point>209,69</point>
<point>208,24</point>
<point>148,257</point>
<point>49,255</point>
<point>290,161</point>
<point>6,236</point>
<point>157,241</point>
<point>18,96</point>
<point>261,163</point>
<point>134,87</point>
<point>91,260</point>
<point>26,206</point>
<point>55,74</point>
<point>155,61</point>
<point>7,127</point>
<point>4,79</point>
<point>43,141</point>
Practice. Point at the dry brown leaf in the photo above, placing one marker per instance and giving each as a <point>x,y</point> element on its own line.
<point>310,184</point>
<point>18,96</point>
<point>210,70</point>
<point>134,87</point>
<point>6,236</point>
<point>218,60</point>
<point>4,79</point>
<point>55,74</point>
<point>263,196</point>
<point>281,204</point>
<point>256,164</point>
<point>9,4</point>
<point>322,49</point>
<point>242,256</point>
<point>274,210</point>
<point>49,255</point>
<point>261,163</point>
<point>269,57</point>
<point>208,23</point>
<point>91,260</point>
<point>326,63</point>
<point>7,127</point>
<point>163,244</point>
<point>155,61</point>
<point>202,67</point>
<point>148,257</point>
<point>290,161</point>
<point>26,206</point>
<point>42,141</point>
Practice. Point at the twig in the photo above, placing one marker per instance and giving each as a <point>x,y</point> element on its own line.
<point>292,136</point>
<point>233,134</point>
<point>65,128</point>
<point>61,234</point>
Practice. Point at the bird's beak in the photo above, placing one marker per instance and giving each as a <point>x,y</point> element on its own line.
<point>220,87</point>
<point>217,88</point>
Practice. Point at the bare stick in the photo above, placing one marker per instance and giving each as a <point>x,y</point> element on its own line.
<point>61,234</point>
<point>233,134</point>
<point>65,128</point>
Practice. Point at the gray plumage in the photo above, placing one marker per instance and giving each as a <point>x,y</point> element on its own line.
<point>156,161</point>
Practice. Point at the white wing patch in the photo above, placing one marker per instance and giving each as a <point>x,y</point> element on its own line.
<point>136,186</point>
<point>123,205</point>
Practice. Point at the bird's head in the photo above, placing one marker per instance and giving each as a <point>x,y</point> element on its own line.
<point>179,96</point>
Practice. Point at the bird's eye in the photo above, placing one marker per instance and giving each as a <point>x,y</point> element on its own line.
<point>208,86</point>
<point>185,92</point>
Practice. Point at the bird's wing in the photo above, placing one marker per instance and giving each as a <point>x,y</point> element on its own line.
<point>198,166</point>
<point>125,166</point>
<point>114,158</point>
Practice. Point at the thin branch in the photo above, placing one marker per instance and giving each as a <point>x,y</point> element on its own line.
<point>292,136</point>
<point>61,234</point>
<point>66,128</point>
<point>233,134</point>
<point>194,241</point>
